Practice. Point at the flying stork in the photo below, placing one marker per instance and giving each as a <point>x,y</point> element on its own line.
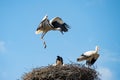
<point>89,56</point>
<point>55,24</point>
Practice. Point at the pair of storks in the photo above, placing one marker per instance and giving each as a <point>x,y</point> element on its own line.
<point>57,24</point>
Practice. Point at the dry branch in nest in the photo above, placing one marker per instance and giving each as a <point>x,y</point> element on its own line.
<point>67,72</point>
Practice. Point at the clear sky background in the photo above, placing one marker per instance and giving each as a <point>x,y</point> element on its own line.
<point>92,22</point>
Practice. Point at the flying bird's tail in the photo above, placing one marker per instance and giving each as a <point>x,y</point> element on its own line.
<point>38,31</point>
<point>64,27</point>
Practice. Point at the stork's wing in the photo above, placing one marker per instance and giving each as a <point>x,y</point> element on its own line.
<point>57,22</point>
<point>45,17</point>
<point>58,19</point>
<point>42,27</point>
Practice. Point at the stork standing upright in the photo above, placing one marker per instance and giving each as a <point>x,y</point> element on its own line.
<point>55,24</point>
<point>89,56</point>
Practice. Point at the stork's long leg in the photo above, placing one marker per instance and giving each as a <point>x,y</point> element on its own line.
<point>43,34</point>
<point>44,43</point>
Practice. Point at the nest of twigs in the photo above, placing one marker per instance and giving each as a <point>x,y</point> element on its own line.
<point>67,72</point>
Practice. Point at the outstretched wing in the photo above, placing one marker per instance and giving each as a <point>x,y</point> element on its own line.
<point>57,22</point>
<point>43,26</point>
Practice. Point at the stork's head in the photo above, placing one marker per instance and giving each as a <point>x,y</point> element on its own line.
<point>97,48</point>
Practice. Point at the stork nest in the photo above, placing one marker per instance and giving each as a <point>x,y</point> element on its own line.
<point>67,72</point>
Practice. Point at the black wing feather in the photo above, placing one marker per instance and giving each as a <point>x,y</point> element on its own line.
<point>64,27</point>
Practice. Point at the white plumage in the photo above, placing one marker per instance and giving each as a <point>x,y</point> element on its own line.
<point>89,56</point>
<point>54,24</point>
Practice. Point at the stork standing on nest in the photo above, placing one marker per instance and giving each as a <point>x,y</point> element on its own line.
<point>55,24</point>
<point>90,57</point>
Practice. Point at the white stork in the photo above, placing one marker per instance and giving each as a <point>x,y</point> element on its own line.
<point>90,57</point>
<point>59,61</point>
<point>54,24</point>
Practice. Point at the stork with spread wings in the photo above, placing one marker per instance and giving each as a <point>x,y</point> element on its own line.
<point>55,24</point>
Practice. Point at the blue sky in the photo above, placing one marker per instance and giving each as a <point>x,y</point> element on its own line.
<point>92,22</point>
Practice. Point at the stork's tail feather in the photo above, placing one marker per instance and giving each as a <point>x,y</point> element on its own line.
<point>65,27</point>
<point>38,32</point>
<point>81,58</point>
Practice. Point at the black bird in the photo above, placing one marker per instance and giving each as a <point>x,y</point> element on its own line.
<point>59,61</point>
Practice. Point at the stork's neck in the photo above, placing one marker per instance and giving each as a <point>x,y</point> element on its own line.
<point>96,49</point>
